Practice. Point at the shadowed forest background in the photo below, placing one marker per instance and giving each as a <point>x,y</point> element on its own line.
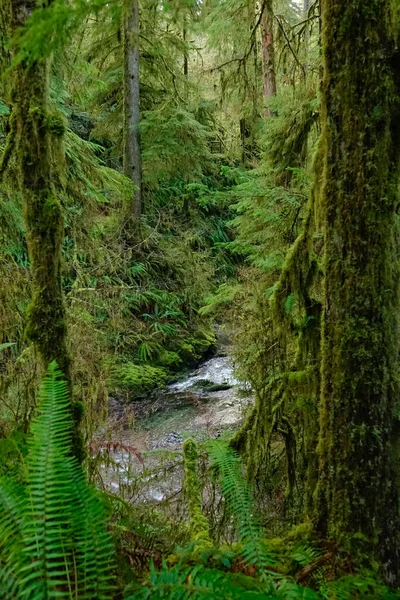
<point>199,299</point>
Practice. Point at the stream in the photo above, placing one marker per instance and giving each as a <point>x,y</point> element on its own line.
<point>143,461</point>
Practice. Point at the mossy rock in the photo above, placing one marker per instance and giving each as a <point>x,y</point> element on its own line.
<point>211,386</point>
<point>187,352</point>
<point>138,379</point>
<point>200,343</point>
<point>169,359</point>
<point>203,340</point>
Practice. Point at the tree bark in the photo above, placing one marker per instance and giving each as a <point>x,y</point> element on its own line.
<point>132,154</point>
<point>35,144</point>
<point>268,56</point>
<point>357,489</point>
<point>306,8</point>
<point>185,52</point>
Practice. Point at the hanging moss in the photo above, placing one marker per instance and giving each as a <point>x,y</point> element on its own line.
<point>357,497</point>
<point>5,31</point>
<point>287,406</point>
<point>198,523</point>
<point>35,144</point>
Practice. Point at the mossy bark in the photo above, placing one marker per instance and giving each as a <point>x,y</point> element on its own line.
<point>357,492</point>
<point>198,522</point>
<point>5,26</point>
<point>268,56</point>
<point>35,140</point>
<point>132,151</point>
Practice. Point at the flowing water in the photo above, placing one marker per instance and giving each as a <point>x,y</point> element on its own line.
<point>218,370</point>
<point>206,403</point>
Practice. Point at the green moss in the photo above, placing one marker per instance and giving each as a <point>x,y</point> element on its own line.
<point>55,125</point>
<point>137,379</point>
<point>34,142</point>
<point>356,499</point>
<point>195,346</point>
<point>199,527</point>
<point>169,359</point>
<point>203,340</point>
<point>187,352</point>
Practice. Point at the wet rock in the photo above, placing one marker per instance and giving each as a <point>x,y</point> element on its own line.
<point>171,441</point>
<point>217,371</point>
<point>210,386</point>
<point>222,338</point>
<point>219,387</point>
<point>116,406</point>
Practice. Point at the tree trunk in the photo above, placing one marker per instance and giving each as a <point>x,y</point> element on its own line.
<point>357,489</point>
<point>35,143</point>
<point>132,155</point>
<point>185,52</point>
<point>306,8</point>
<point>268,56</point>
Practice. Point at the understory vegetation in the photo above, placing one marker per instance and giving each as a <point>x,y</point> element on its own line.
<point>181,179</point>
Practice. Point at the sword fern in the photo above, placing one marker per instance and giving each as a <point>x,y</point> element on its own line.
<point>53,537</point>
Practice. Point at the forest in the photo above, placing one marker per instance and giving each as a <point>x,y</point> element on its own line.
<point>199,299</point>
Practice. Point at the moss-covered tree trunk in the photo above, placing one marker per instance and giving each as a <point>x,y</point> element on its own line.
<point>357,492</point>
<point>268,56</point>
<point>132,153</point>
<point>35,147</point>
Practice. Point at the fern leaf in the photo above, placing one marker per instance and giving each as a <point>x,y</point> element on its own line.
<point>199,583</point>
<point>239,500</point>
<point>58,546</point>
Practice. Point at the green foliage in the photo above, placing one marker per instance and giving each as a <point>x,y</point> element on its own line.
<point>240,503</point>
<point>12,230</point>
<point>269,218</point>
<point>6,345</point>
<point>216,242</point>
<point>53,531</point>
<point>286,137</point>
<point>356,587</point>
<point>169,359</point>
<point>4,110</point>
<point>174,145</point>
<point>51,27</point>
<point>137,378</point>
<point>198,522</point>
<point>224,295</point>
<point>180,583</point>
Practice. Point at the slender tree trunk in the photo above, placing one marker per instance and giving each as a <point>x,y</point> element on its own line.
<point>35,145</point>
<point>185,53</point>
<point>306,8</point>
<point>268,56</point>
<point>357,489</point>
<point>132,154</point>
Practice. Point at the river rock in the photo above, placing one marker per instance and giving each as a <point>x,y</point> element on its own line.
<point>171,441</point>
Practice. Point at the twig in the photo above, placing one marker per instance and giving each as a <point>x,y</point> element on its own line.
<point>290,47</point>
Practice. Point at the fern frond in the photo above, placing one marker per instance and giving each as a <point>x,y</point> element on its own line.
<point>239,501</point>
<point>53,538</point>
<point>93,546</point>
<point>50,489</point>
<point>13,508</point>
<point>289,590</point>
<point>199,583</point>
<point>351,586</point>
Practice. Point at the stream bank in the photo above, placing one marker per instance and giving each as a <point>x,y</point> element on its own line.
<point>146,436</point>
